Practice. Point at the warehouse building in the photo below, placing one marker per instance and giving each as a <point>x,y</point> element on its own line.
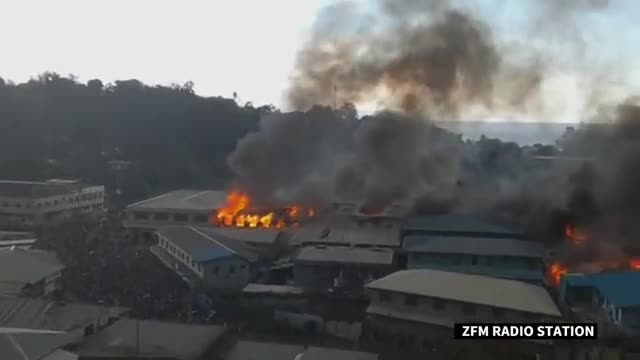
<point>341,269</point>
<point>610,296</point>
<point>250,350</point>
<point>416,309</point>
<point>470,245</point>
<point>32,273</point>
<point>206,259</point>
<point>25,204</point>
<point>180,207</point>
<point>34,344</point>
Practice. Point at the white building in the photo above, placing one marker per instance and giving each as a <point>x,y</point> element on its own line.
<point>180,207</point>
<point>417,309</point>
<point>27,203</point>
<point>206,259</point>
<point>29,272</point>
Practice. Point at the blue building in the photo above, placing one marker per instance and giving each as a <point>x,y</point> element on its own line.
<point>617,294</point>
<point>469,245</point>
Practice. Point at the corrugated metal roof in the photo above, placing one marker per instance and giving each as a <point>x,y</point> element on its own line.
<point>31,345</point>
<point>198,200</point>
<point>472,245</point>
<point>455,223</point>
<point>620,288</point>
<point>27,266</point>
<point>345,255</point>
<point>22,312</point>
<point>347,235</point>
<point>255,236</point>
<point>475,289</point>
<point>249,350</point>
<point>203,245</point>
<point>157,339</point>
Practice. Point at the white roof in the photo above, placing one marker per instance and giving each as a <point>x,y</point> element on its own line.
<point>474,289</point>
<point>195,200</point>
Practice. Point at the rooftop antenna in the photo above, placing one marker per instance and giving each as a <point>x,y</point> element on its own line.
<point>335,97</point>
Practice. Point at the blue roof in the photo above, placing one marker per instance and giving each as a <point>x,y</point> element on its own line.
<point>621,289</point>
<point>204,245</point>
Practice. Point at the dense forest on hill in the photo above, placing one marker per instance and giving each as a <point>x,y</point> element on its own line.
<point>55,126</point>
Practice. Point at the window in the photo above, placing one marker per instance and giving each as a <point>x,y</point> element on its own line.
<point>193,263</point>
<point>141,216</point>
<point>180,218</point>
<point>474,260</point>
<point>215,269</point>
<point>384,296</point>
<point>161,217</point>
<point>161,242</point>
<point>438,304</point>
<point>243,266</point>
<point>18,205</point>
<point>200,218</point>
<point>468,309</point>
<point>497,312</point>
<point>411,300</point>
<point>232,269</point>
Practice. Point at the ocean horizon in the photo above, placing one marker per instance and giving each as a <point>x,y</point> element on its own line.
<point>523,133</point>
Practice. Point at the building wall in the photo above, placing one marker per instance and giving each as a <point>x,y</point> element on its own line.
<point>229,274</point>
<point>453,311</point>
<point>321,276</point>
<point>181,255</point>
<point>159,217</point>
<point>520,268</point>
<point>30,209</point>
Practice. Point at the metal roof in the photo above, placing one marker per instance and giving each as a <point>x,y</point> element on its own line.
<point>249,350</point>
<point>253,236</point>
<point>474,289</point>
<point>22,312</point>
<point>197,200</point>
<point>622,289</point>
<point>344,254</point>
<point>457,223</point>
<point>156,338</point>
<point>203,245</point>
<point>472,245</point>
<point>31,345</point>
<point>27,266</point>
<point>348,235</point>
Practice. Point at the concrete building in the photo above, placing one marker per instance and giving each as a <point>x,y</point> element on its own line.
<point>470,245</point>
<point>150,339</point>
<point>76,319</point>
<point>17,239</point>
<point>504,258</point>
<point>611,297</point>
<point>205,258</point>
<point>24,204</point>
<point>180,207</point>
<point>414,310</point>
<point>340,268</point>
<point>29,272</point>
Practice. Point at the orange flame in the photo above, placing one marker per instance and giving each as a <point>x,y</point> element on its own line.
<point>311,213</point>
<point>634,263</point>
<point>575,235</point>
<point>235,214</point>
<point>558,271</point>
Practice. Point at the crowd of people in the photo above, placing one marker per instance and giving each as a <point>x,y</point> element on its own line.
<point>104,268</point>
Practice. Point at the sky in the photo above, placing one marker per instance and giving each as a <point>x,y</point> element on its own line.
<point>243,46</point>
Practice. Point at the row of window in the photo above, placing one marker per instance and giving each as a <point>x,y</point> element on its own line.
<point>29,205</point>
<point>438,304</point>
<point>199,218</point>
<point>180,255</point>
<point>531,264</point>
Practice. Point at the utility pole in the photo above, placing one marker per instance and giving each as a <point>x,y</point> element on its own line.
<point>335,97</point>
